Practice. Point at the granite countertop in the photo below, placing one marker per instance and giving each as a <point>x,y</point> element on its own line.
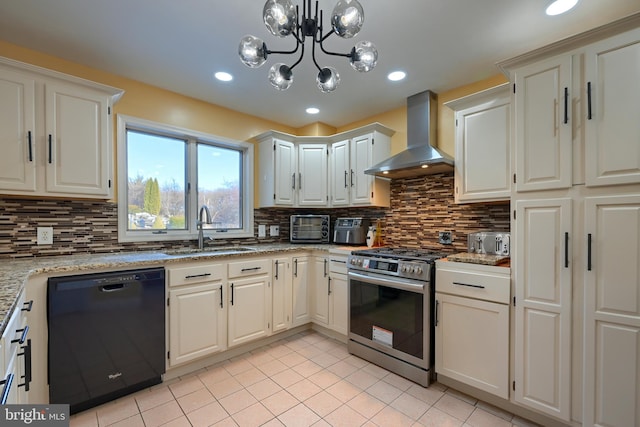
<point>14,274</point>
<point>483,259</point>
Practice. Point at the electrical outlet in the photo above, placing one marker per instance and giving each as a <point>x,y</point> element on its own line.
<point>274,230</point>
<point>262,230</point>
<point>45,235</point>
<point>445,237</point>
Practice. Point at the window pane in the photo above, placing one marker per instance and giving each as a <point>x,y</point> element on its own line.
<point>220,185</point>
<point>156,189</point>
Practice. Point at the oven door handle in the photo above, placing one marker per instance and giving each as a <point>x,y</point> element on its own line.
<point>396,282</point>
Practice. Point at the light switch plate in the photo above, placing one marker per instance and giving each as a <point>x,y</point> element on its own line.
<point>274,230</point>
<point>45,235</point>
<point>262,230</point>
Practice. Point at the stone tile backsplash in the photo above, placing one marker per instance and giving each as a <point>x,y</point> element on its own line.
<point>420,208</point>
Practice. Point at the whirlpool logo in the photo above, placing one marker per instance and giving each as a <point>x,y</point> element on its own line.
<point>114,376</point>
<point>37,415</point>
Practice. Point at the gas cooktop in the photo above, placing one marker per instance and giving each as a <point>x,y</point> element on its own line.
<point>400,253</point>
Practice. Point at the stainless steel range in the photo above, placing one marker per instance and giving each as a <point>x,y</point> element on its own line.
<point>391,294</point>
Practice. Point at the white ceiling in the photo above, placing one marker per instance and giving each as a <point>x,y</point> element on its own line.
<point>178,45</point>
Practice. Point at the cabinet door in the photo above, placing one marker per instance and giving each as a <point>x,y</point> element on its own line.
<point>612,311</point>
<point>320,300</point>
<point>312,175</point>
<point>284,170</point>
<point>361,159</point>
<point>612,133</point>
<point>248,315</point>
<point>78,148</point>
<point>472,343</point>
<point>338,303</point>
<point>17,132</point>
<point>340,173</point>
<point>542,266</point>
<point>281,294</point>
<point>197,322</point>
<point>301,307</point>
<point>483,138</point>
<point>543,130</point>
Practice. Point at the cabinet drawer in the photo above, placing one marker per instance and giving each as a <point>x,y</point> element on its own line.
<point>195,274</point>
<point>248,268</point>
<point>14,331</point>
<point>474,284</point>
<point>338,264</point>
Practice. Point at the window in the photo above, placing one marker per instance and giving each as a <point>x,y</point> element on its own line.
<point>166,174</point>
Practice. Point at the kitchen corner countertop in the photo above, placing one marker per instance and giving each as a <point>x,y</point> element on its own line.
<point>483,259</point>
<point>14,274</point>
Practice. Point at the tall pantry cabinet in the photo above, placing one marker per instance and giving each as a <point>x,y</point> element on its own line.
<point>576,226</point>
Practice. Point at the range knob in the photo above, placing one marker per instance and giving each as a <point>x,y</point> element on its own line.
<point>405,268</point>
<point>417,270</point>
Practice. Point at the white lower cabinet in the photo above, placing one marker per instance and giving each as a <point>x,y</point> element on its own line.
<point>612,311</point>
<point>300,291</point>
<point>15,358</point>
<point>281,306</point>
<point>338,294</point>
<point>249,300</point>
<point>543,287</point>
<point>472,325</point>
<point>197,312</point>
<point>320,277</point>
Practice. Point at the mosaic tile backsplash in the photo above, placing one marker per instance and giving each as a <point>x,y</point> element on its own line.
<point>420,208</point>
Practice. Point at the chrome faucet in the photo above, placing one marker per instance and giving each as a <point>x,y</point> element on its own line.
<point>199,223</point>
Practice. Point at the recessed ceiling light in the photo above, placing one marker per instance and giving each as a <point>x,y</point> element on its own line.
<point>560,6</point>
<point>312,110</point>
<point>223,77</point>
<point>396,76</point>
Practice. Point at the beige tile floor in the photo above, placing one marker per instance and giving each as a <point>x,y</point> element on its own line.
<point>304,380</point>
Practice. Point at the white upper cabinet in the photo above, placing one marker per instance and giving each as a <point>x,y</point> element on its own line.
<point>543,156</point>
<point>55,134</point>
<point>612,132</point>
<point>17,127</point>
<point>573,116</point>
<point>339,172</point>
<point>77,141</point>
<point>314,171</point>
<point>312,175</point>
<point>483,138</point>
<point>366,151</point>
<point>349,158</point>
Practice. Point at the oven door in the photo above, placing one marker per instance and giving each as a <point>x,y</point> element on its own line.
<point>390,315</point>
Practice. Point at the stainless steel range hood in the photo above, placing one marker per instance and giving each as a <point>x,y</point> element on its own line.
<point>420,157</point>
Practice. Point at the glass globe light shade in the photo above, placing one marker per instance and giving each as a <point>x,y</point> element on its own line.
<point>347,18</point>
<point>280,76</point>
<point>279,17</point>
<point>364,56</point>
<point>252,51</point>
<point>328,79</point>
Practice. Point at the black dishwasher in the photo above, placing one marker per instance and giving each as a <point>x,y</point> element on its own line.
<point>106,335</point>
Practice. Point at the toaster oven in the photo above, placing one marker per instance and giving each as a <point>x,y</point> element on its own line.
<point>309,229</point>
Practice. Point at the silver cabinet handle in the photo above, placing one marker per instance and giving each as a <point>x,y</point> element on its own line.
<point>436,313</point>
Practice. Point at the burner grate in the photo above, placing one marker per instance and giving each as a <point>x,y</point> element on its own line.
<point>402,253</point>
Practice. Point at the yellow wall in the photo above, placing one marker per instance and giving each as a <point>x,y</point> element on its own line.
<point>397,119</point>
<point>160,105</point>
<point>316,129</point>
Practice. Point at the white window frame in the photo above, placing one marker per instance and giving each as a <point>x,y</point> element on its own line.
<point>192,137</point>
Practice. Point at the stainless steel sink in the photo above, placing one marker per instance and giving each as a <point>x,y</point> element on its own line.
<point>211,250</point>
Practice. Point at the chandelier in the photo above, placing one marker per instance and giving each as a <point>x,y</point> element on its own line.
<point>283,19</point>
